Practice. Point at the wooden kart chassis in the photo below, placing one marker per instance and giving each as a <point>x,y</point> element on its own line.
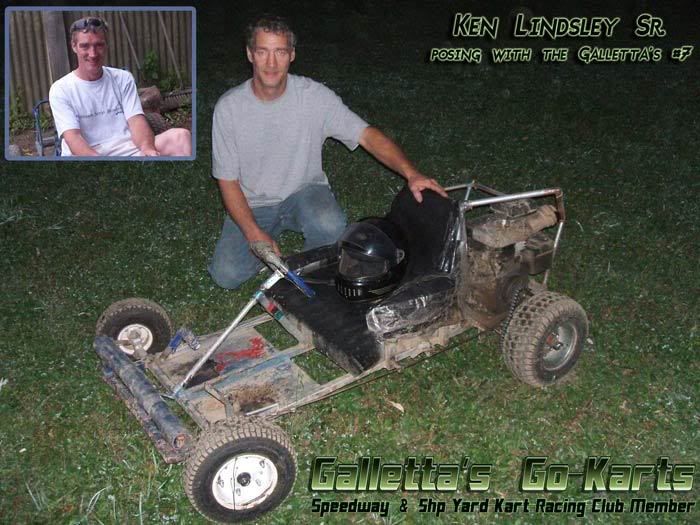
<point>268,384</point>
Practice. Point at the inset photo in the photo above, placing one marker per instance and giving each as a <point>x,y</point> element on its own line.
<point>112,84</point>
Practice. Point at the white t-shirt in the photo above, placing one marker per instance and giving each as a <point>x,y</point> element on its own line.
<point>98,108</point>
<point>273,148</point>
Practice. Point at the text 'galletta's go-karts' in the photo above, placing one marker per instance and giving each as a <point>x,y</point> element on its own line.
<point>391,289</point>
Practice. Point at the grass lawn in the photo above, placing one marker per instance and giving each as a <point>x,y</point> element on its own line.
<point>620,139</point>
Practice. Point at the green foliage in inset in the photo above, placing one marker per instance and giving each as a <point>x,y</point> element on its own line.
<point>150,69</point>
<point>45,118</point>
<point>178,117</point>
<point>169,83</point>
<point>153,75</point>
<point>20,119</point>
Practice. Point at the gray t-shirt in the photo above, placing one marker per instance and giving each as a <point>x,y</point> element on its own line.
<point>274,148</point>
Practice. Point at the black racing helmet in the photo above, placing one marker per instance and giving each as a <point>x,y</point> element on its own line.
<point>372,259</point>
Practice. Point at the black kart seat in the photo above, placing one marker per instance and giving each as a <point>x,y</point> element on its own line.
<point>427,289</point>
<point>430,228</point>
<point>340,326</point>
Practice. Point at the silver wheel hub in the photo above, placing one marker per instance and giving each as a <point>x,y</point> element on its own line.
<point>244,481</point>
<point>559,345</point>
<point>135,337</point>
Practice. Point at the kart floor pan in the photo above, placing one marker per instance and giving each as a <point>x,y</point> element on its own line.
<point>244,375</point>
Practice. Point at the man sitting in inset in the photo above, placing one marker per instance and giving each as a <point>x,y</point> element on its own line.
<point>97,110</point>
<point>267,140</point>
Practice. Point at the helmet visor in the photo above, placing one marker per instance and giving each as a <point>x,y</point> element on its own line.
<point>364,238</point>
<point>355,265</point>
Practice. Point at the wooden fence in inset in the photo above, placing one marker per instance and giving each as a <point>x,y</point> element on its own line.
<point>40,51</point>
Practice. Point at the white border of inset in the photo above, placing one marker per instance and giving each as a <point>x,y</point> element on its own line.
<point>9,10</point>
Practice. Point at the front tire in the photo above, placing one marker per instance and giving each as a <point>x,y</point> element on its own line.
<point>137,325</point>
<point>544,338</point>
<point>240,471</point>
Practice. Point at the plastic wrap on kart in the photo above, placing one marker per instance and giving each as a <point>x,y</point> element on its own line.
<point>349,332</point>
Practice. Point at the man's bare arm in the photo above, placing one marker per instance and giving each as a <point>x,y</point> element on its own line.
<point>77,144</point>
<point>237,207</point>
<point>388,153</point>
<point>142,135</point>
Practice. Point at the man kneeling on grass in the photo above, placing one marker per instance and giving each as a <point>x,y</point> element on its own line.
<point>97,109</point>
<point>268,135</point>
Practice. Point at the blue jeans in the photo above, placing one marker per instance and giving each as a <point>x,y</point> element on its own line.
<point>311,211</point>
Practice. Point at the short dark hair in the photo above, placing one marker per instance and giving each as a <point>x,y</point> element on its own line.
<point>269,24</point>
<point>89,24</point>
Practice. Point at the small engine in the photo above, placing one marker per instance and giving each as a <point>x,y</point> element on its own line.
<point>505,247</point>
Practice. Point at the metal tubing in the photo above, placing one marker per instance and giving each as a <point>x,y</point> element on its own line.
<point>560,206</point>
<point>290,324</point>
<point>143,391</point>
<point>468,192</point>
<point>38,135</point>
<point>458,187</point>
<point>554,250</point>
<point>556,238</point>
<point>247,308</point>
<point>487,189</point>
<point>475,185</point>
<point>466,206</point>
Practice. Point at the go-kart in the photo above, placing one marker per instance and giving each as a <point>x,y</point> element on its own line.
<point>471,263</point>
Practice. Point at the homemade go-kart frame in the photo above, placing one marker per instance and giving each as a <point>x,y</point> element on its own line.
<point>464,270</point>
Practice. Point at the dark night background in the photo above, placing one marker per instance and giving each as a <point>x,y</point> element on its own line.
<point>620,139</point>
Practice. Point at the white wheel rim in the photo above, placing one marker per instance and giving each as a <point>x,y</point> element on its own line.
<point>244,481</point>
<point>134,336</point>
<point>559,345</point>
